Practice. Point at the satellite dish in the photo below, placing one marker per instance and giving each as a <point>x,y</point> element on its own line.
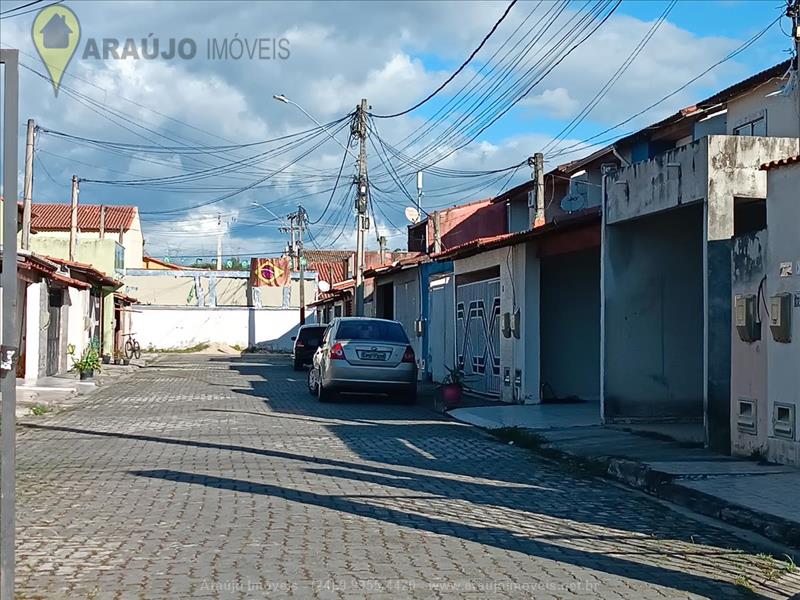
<point>323,286</point>
<point>412,214</point>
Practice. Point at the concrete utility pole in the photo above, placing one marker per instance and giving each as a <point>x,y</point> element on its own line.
<point>793,12</point>
<point>73,222</point>
<point>103,222</point>
<point>8,352</point>
<point>360,130</point>
<point>301,218</point>
<point>419,192</point>
<point>219,242</point>
<point>437,232</point>
<point>538,178</point>
<point>27,191</point>
<point>382,246</point>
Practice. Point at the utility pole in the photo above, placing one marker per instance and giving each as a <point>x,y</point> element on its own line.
<point>437,232</point>
<point>103,222</point>
<point>793,12</point>
<point>537,163</point>
<point>10,334</point>
<point>27,191</point>
<point>301,218</point>
<point>382,246</point>
<point>419,192</point>
<point>219,242</point>
<point>360,131</point>
<point>73,222</point>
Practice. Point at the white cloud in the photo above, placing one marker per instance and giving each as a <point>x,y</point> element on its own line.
<point>556,103</point>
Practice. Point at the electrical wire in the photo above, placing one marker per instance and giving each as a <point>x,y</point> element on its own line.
<point>457,71</point>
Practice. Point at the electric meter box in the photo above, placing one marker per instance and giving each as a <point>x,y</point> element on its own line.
<point>780,317</point>
<point>746,318</point>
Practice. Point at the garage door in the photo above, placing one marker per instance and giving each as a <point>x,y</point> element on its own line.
<point>478,334</point>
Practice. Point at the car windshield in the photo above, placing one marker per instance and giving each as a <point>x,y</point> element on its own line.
<point>311,335</point>
<point>385,331</point>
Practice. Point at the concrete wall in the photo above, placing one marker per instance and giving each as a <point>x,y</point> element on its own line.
<point>570,324</point>
<point>780,111</point>
<point>783,224</point>
<point>77,320</point>
<point>518,215</point>
<point>653,318</point>
<point>33,323</point>
<point>406,303</point>
<point>216,288</point>
<point>100,254</point>
<point>749,359</point>
<point>716,169</point>
<point>132,241</point>
<point>166,327</point>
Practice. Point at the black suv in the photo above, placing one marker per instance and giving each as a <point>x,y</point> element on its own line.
<point>308,339</point>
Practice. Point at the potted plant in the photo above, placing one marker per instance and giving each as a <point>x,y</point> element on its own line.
<point>117,357</point>
<point>452,387</point>
<point>87,364</point>
<point>106,359</point>
<point>125,360</point>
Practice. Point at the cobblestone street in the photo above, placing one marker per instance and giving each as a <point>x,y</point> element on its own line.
<point>220,477</point>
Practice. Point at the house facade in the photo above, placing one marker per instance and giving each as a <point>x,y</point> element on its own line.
<point>689,183</point>
<point>765,324</point>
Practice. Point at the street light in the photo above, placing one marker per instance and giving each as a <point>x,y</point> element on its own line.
<point>285,100</point>
<point>280,218</point>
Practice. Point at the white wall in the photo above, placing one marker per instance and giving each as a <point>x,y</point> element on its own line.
<point>77,316</point>
<point>779,110</point>
<point>32,322</point>
<point>167,327</point>
<point>783,383</point>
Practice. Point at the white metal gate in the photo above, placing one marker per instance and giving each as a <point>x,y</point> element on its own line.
<point>478,334</point>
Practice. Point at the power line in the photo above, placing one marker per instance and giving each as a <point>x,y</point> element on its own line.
<point>457,71</point>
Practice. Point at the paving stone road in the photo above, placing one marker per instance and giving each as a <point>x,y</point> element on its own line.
<point>220,477</point>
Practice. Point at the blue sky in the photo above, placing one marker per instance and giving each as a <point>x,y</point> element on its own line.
<point>400,53</point>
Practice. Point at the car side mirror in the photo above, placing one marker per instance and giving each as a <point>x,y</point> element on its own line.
<point>294,337</point>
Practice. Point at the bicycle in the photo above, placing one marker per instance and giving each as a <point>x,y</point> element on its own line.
<point>132,347</point>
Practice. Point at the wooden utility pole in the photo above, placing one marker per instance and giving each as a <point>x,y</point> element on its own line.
<point>103,222</point>
<point>73,223</point>
<point>360,126</point>
<point>27,190</point>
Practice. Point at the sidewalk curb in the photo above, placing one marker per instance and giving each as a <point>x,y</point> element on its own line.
<point>643,477</point>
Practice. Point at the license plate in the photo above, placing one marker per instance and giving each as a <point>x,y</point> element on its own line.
<point>373,356</point>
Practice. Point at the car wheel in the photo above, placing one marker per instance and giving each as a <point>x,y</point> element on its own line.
<point>312,382</point>
<point>324,395</point>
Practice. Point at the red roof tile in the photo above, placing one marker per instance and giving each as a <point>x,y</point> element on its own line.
<point>780,162</point>
<point>57,217</point>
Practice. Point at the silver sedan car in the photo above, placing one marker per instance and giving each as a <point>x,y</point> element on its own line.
<point>364,356</point>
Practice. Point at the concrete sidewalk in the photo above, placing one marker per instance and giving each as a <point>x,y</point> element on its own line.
<point>758,496</point>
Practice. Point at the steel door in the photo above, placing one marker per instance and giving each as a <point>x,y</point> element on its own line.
<point>478,334</point>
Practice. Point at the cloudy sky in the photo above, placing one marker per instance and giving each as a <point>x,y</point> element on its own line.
<point>199,137</point>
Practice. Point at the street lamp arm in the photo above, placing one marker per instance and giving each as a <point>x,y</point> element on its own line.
<point>285,100</point>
